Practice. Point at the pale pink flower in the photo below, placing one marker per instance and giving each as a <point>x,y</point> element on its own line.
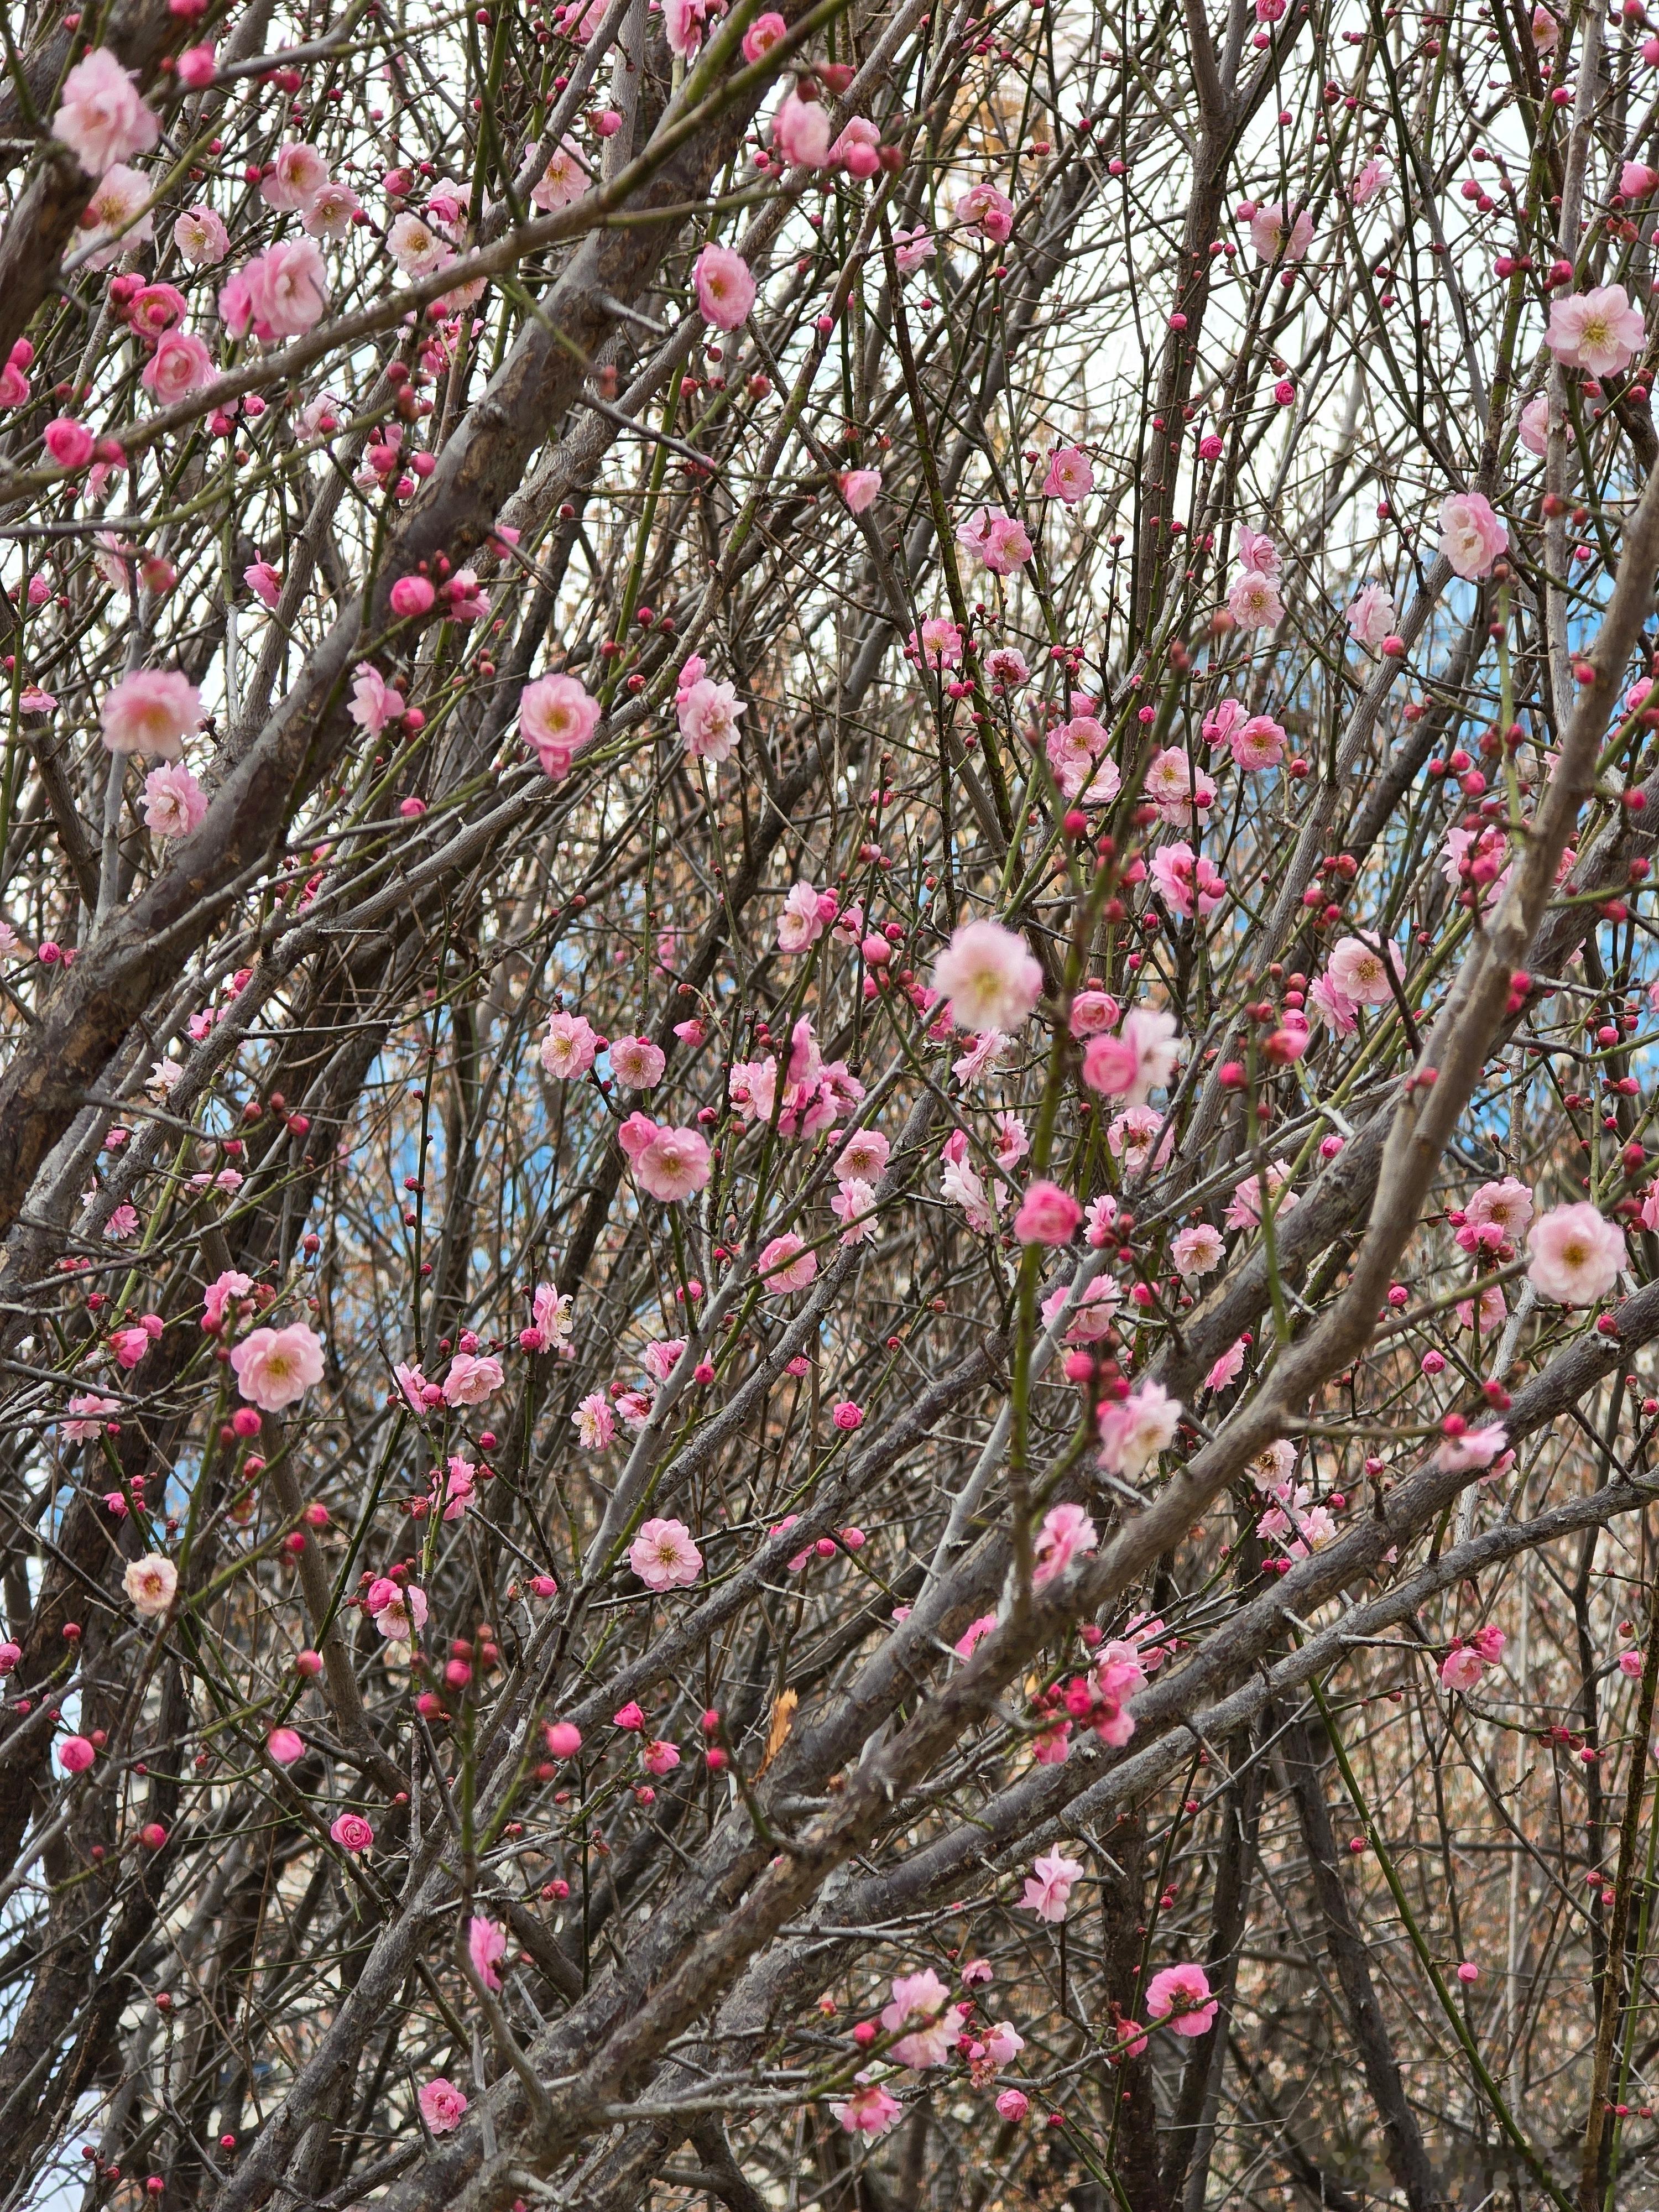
<point>1334,1007</point>
<point>1256,550</point>
<point>117,218</point>
<point>1244,1209</point>
<point>557,717</point>
<point>1599,332</point>
<point>151,711</point>
<point>787,1263</point>
<point>486,1946</point>
<point>859,486</point>
<point>1506,1205</point>
<point>724,287</point>
<point>1131,1135</point>
<point>417,249</point>
<point>989,976</point>
<point>1077,752</point>
<point>673,1165</point>
<point>1371,616</point>
<point>286,289</point>
<point>564,181</point>
<point>1070,477</point>
<point>857,149</point>
<point>473,1377</point>
<point>1187,881</point>
<point>1577,1254</point>
<point>441,2104</point>
<point>868,2109</point>
<point>297,175</point>
<point>1534,427</point>
<point>151,1583</point>
<point>921,2004</point>
<point>90,1414</point>
<point>398,1610</point>
<point>1360,971</point>
<point>175,803</point>
<point>570,1046</point>
<point>595,1422</point>
<point>264,581</point>
<point>854,1205</point>
<point>1134,1430</point>
<point>1177,788</point>
<point>1253,601</point>
<point>636,1063</point>
<point>708,713</point>
<point>804,919</point>
<point>1092,1011</point>
<point>864,1155</point>
<point>1182,1995</point>
<point>1545,30</point>
<point>373,703</point>
<point>1065,1535</point>
<point>1473,1448</point>
<point>201,237</point>
<point>1471,535</point>
<point>285,1745</point>
<point>1372,177</point>
<point>1228,1367</point>
<point>911,248</point>
<point>1047,1890</point>
<point>683,25</point>
<point>1257,743</point>
<point>800,131</point>
<point>101,116</point>
<point>664,1557</point>
<point>330,212</point>
<point>180,365</point>
<point>995,538</point>
<point>1636,179</point>
<point>1272,239</point>
<point>275,1367</point>
<point>984,209</point>
<point>961,1183</point>
<point>1196,1250</point>
<point>1093,1315</point>
<point>1047,1215</point>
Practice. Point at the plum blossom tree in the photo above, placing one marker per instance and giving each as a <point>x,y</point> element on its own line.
<point>828,1243</point>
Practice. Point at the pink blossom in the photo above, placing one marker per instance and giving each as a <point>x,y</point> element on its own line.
<point>70,444</point>
<point>1134,1430</point>
<point>637,1063</point>
<point>707,714</point>
<point>724,287</point>
<point>1177,788</point>
<point>101,116</point>
<point>1253,601</point>
<point>800,131</point>
<point>683,25</point>
<point>1187,881</point>
<point>659,1757</point>
<point>416,246</point>
<point>1132,1135</point>
<point>557,717</point>
<point>920,2005</point>
<point>398,1610</point>
<point>1065,1535</point>
<point>1091,1012</point>
<point>1507,1205</point>
<point>1244,1209</point>
<point>911,248</point>
<point>868,2109</point>
<point>285,1745</point>
<point>1273,240</point>
<point>76,1754</point>
<point>787,1263</point>
<point>804,918</point>
<point>175,803</point>
<point>1196,1249</point>
<point>857,149</point>
<point>664,1557</point>
<point>865,1154</point>
<point>1333,1006</point>
<point>151,711</point>
<point>353,1834</point>
<point>995,538</point>
<point>673,1165</point>
<point>329,211</point>
<point>180,364</point>
<point>472,1378</point>
<point>287,289</point>
<point>1047,1215</point>
<point>1070,475</point>
<point>264,582</point>
<point>1534,427</point>
<point>1371,616</point>
<point>983,208</point>
<point>595,1422</point>
<point>373,703</point>
<point>1227,1369</point>
<point>1258,743</point>
<point>763,35</point>
<point>486,1946</point>
<point>201,237</point>
<point>1599,332</point>
<point>90,1412</point>
<point>1369,183</point>
<point>990,977</point>
<point>1047,1890</point>
<point>1360,971</point>
<point>570,1046</point>
<point>1577,1254</point>
<point>275,1367</point>
<point>1473,1448</point>
<point>297,175</point>
<point>151,1584</point>
<point>564,181</point>
<point>859,486</point>
<point>1012,2106</point>
<point>1182,1994</point>
<point>1471,535</point>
